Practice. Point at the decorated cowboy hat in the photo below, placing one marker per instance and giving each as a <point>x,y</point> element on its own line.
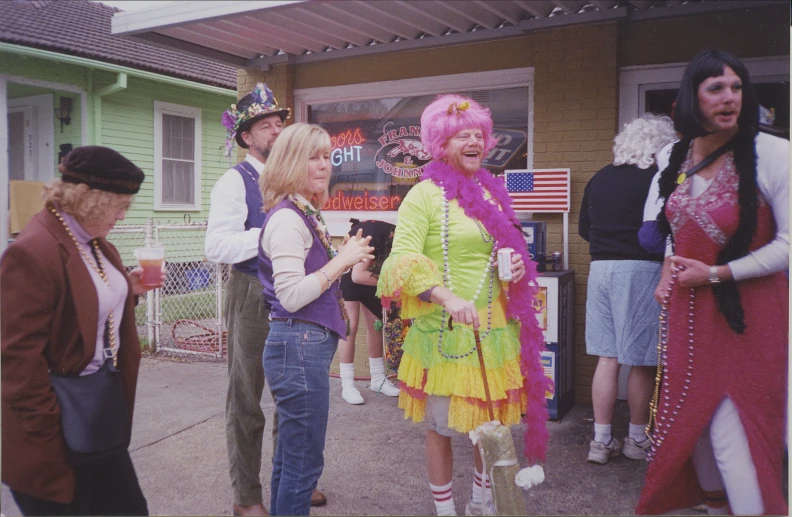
<point>255,105</point>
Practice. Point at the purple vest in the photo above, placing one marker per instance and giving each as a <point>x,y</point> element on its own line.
<point>255,217</point>
<point>324,310</point>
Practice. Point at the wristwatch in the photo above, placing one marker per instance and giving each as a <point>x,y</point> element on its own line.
<point>713,275</point>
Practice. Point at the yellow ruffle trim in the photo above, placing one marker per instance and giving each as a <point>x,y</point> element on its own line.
<point>465,415</point>
<point>403,277</point>
<point>460,380</point>
<point>424,372</point>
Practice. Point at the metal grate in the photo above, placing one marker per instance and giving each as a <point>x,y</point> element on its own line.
<point>185,316</point>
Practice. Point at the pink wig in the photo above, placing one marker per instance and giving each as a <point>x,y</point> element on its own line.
<point>438,125</point>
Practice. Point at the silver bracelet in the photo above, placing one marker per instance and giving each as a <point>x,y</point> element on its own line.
<point>329,282</point>
<point>713,275</point>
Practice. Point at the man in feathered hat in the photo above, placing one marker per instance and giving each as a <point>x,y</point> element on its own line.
<point>232,234</point>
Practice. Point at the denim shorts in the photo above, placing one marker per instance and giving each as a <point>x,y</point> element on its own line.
<point>621,312</point>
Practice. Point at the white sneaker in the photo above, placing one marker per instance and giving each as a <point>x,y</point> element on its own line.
<point>351,395</point>
<point>600,453</point>
<point>485,508</point>
<point>635,450</point>
<point>384,386</point>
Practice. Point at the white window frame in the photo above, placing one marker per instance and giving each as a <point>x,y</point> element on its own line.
<point>338,221</point>
<point>167,108</point>
<point>635,81</point>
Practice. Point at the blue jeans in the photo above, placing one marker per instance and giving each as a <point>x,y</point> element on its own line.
<point>297,360</point>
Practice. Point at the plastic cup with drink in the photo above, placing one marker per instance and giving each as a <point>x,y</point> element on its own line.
<point>505,264</point>
<point>151,260</point>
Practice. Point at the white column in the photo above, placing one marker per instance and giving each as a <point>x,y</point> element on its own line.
<point>4,174</point>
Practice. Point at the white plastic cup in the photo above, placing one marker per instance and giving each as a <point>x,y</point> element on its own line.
<point>505,264</point>
<point>151,260</point>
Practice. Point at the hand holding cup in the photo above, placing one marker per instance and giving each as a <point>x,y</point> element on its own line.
<point>150,273</point>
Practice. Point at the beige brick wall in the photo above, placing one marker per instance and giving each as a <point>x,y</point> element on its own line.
<point>575,119</point>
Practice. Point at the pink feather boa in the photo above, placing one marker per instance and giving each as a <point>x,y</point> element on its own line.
<point>499,220</point>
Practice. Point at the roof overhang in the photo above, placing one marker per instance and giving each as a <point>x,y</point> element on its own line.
<point>264,33</point>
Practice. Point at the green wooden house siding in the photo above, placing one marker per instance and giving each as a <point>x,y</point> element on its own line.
<point>126,124</point>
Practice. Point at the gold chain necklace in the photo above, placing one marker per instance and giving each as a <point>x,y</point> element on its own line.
<point>100,268</point>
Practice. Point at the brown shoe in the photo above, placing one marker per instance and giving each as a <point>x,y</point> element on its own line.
<point>256,509</point>
<point>318,498</point>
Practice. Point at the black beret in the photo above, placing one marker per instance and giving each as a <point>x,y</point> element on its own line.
<point>102,168</point>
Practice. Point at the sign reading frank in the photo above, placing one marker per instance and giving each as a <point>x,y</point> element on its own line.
<point>401,154</point>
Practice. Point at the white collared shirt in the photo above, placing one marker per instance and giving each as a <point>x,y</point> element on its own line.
<point>226,239</point>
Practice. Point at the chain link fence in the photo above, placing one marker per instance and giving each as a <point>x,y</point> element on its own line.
<point>185,316</point>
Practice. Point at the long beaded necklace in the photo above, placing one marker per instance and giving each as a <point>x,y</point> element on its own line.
<point>489,269</point>
<point>315,217</point>
<point>662,423</point>
<point>99,267</point>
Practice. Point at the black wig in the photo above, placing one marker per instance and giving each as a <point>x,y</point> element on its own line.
<point>687,120</point>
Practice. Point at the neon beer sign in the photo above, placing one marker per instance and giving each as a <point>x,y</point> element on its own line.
<point>346,147</point>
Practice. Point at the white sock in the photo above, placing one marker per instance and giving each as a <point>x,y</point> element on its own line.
<point>347,374</point>
<point>638,432</point>
<point>377,368</point>
<point>482,489</point>
<point>602,433</point>
<point>443,499</point>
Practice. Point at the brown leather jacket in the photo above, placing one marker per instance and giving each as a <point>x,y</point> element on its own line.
<point>48,321</point>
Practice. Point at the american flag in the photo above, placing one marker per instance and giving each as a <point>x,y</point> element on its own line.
<point>539,190</point>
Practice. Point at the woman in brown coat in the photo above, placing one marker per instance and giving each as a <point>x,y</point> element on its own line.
<point>67,313</point>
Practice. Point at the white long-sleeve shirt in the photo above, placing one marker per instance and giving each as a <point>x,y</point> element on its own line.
<point>772,178</point>
<point>226,239</point>
<point>286,241</point>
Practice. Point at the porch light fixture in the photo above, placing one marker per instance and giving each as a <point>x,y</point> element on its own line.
<point>63,113</point>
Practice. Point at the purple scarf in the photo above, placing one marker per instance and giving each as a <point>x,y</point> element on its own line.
<point>505,230</point>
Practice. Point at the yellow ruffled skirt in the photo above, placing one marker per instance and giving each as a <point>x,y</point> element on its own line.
<point>424,370</point>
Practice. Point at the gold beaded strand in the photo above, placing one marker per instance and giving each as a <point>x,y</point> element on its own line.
<point>99,267</point>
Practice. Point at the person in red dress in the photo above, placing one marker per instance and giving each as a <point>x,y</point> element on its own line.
<point>720,408</point>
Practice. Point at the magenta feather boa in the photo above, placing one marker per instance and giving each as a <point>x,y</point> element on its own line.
<point>502,224</point>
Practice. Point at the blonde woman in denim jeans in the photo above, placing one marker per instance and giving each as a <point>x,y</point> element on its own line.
<point>300,270</point>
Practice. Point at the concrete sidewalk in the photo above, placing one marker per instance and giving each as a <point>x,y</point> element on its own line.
<point>374,458</point>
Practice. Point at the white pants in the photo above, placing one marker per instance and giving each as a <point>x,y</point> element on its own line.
<point>722,461</point>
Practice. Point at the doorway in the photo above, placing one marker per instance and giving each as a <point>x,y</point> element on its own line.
<point>31,138</point>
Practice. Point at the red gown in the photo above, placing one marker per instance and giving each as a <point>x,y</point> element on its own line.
<point>751,368</point>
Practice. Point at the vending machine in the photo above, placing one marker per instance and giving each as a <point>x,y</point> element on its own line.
<point>555,303</point>
<point>535,236</point>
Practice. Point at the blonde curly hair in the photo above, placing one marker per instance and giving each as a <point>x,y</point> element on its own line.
<point>86,204</point>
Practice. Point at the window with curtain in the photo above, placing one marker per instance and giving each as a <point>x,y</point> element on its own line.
<point>177,157</point>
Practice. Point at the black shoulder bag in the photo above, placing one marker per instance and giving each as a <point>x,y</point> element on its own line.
<point>93,412</point>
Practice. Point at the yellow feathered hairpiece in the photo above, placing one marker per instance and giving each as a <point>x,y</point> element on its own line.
<point>456,108</point>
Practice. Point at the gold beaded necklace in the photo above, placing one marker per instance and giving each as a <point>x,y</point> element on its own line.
<point>100,268</point>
